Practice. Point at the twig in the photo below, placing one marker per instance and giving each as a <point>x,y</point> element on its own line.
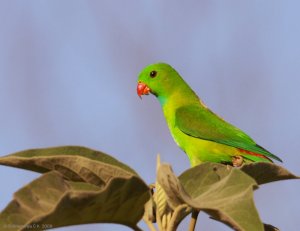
<point>193,220</point>
<point>179,213</point>
<point>150,225</point>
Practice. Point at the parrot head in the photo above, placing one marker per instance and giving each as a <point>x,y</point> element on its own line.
<point>160,79</point>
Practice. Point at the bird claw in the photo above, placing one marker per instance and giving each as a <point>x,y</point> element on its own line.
<point>237,161</point>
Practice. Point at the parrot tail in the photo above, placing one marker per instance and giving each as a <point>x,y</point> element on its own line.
<point>255,157</point>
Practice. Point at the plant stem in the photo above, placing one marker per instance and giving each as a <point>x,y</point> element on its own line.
<point>179,213</point>
<point>193,220</point>
<point>150,225</point>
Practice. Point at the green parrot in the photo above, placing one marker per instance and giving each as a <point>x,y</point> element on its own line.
<point>200,133</point>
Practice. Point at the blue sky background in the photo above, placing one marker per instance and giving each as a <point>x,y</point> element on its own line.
<point>68,73</point>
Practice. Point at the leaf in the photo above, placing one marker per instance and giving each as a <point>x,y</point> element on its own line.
<point>270,228</point>
<point>264,172</point>
<point>74,162</point>
<point>51,201</point>
<point>171,186</point>
<point>100,189</point>
<point>225,193</point>
<point>163,210</point>
<point>160,198</point>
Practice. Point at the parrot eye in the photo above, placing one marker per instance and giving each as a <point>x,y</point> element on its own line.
<point>153,74</point>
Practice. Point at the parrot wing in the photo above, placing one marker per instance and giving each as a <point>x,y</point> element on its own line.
<point>200,122</point>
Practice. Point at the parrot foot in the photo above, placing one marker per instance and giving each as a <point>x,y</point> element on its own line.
<point>237,161</point>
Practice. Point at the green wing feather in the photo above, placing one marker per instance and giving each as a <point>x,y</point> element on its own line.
<point>202,123</point>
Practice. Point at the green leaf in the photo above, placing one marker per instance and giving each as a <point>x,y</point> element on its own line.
<point>51,201</point>
<point>74,162</point>
<point>267,172</point>
<point>225,193</point>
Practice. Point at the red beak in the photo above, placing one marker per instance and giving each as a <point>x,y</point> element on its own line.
<point>142,89</point>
